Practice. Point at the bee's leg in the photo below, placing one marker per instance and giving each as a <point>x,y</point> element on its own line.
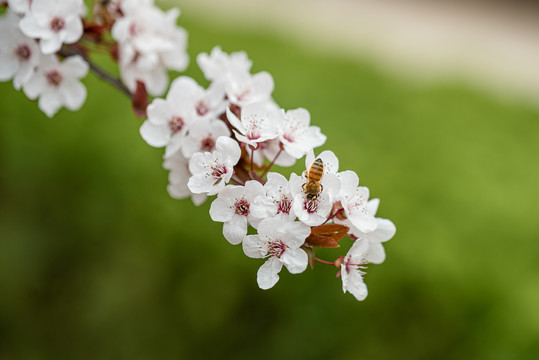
<point>303,186</point>
<point>321,187</point>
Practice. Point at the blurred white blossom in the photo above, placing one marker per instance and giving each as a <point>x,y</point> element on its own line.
<point>57,84</point>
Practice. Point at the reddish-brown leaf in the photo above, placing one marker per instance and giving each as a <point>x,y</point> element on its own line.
<point>140,100</point>
<point>326,236</point>
<point>321,241</point>
<point>334,231</point>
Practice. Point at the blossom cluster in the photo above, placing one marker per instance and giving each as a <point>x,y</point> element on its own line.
<point>220,141</point>
<point>45,47</point>
<point>223,141</point>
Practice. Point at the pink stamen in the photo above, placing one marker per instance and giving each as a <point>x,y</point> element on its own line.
<point>276,248</point>
<point>218,172</point>
<point>311,206</point>
<point>349,265</point>
<point>284,205</point>
<point>253,134</point>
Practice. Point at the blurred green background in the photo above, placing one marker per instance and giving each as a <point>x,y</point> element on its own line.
<point>98,262</point>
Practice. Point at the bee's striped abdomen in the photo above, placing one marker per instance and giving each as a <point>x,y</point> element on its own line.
<point>317,170</point>
<point>312,186</point>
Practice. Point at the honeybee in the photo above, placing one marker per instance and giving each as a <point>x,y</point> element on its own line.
<point>312,187</point>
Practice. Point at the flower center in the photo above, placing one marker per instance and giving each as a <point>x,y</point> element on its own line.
<point>201,108</point>
<point>276,248</point>
<point>54,78</point>
<point>175,124</point>
<point>349,265</point>
<point>207,144</point>
<point>284,205</point>
<point>217,172</point>
<point>57,24</point>
<point>311,205</point>
<point>23,52</point>
<point>253,134</point>
<point>242,207</point>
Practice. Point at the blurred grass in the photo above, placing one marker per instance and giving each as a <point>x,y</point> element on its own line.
<point>98,262</point>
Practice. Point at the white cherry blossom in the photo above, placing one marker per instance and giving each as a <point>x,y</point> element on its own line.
<point>19,54</point>
<point>178,177</point>
<point>354,200</point>
<point>202,136</point>
<point>57,84</point>
<point>211,171</point>
<point>352,272</point>
<point>297,136</point>
<point>258,123</point>
<point>232,207</point>
<point>54,23</point>
<point>242,88</point>
<point>315,211</point>
<point>277,200</point>
<point>218,65</point>
<point>280,241</point>
<point>169,119</point>
<point>149,44</point>
<point>384,231</point>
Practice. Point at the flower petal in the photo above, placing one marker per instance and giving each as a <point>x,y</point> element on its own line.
<point>268,274</point>
<point>154,135</point>
<point>49,102</point>
<point>376,253</point>
<point>230,147</point>
<point>356,286</point>
<point>74,94</point>
<point>50,45</point>
<point>74,66</point>
<point>254,247</point>
<point>295,260</point>
<point>384,231</point>
<point>236,229</point>
<point>221,209</point>
<point>8,66</point>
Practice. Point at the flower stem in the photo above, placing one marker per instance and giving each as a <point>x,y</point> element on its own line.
<point>333,215</point>
<point>114,81</point>
<point>324,261</point>
<point>252,158</point>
